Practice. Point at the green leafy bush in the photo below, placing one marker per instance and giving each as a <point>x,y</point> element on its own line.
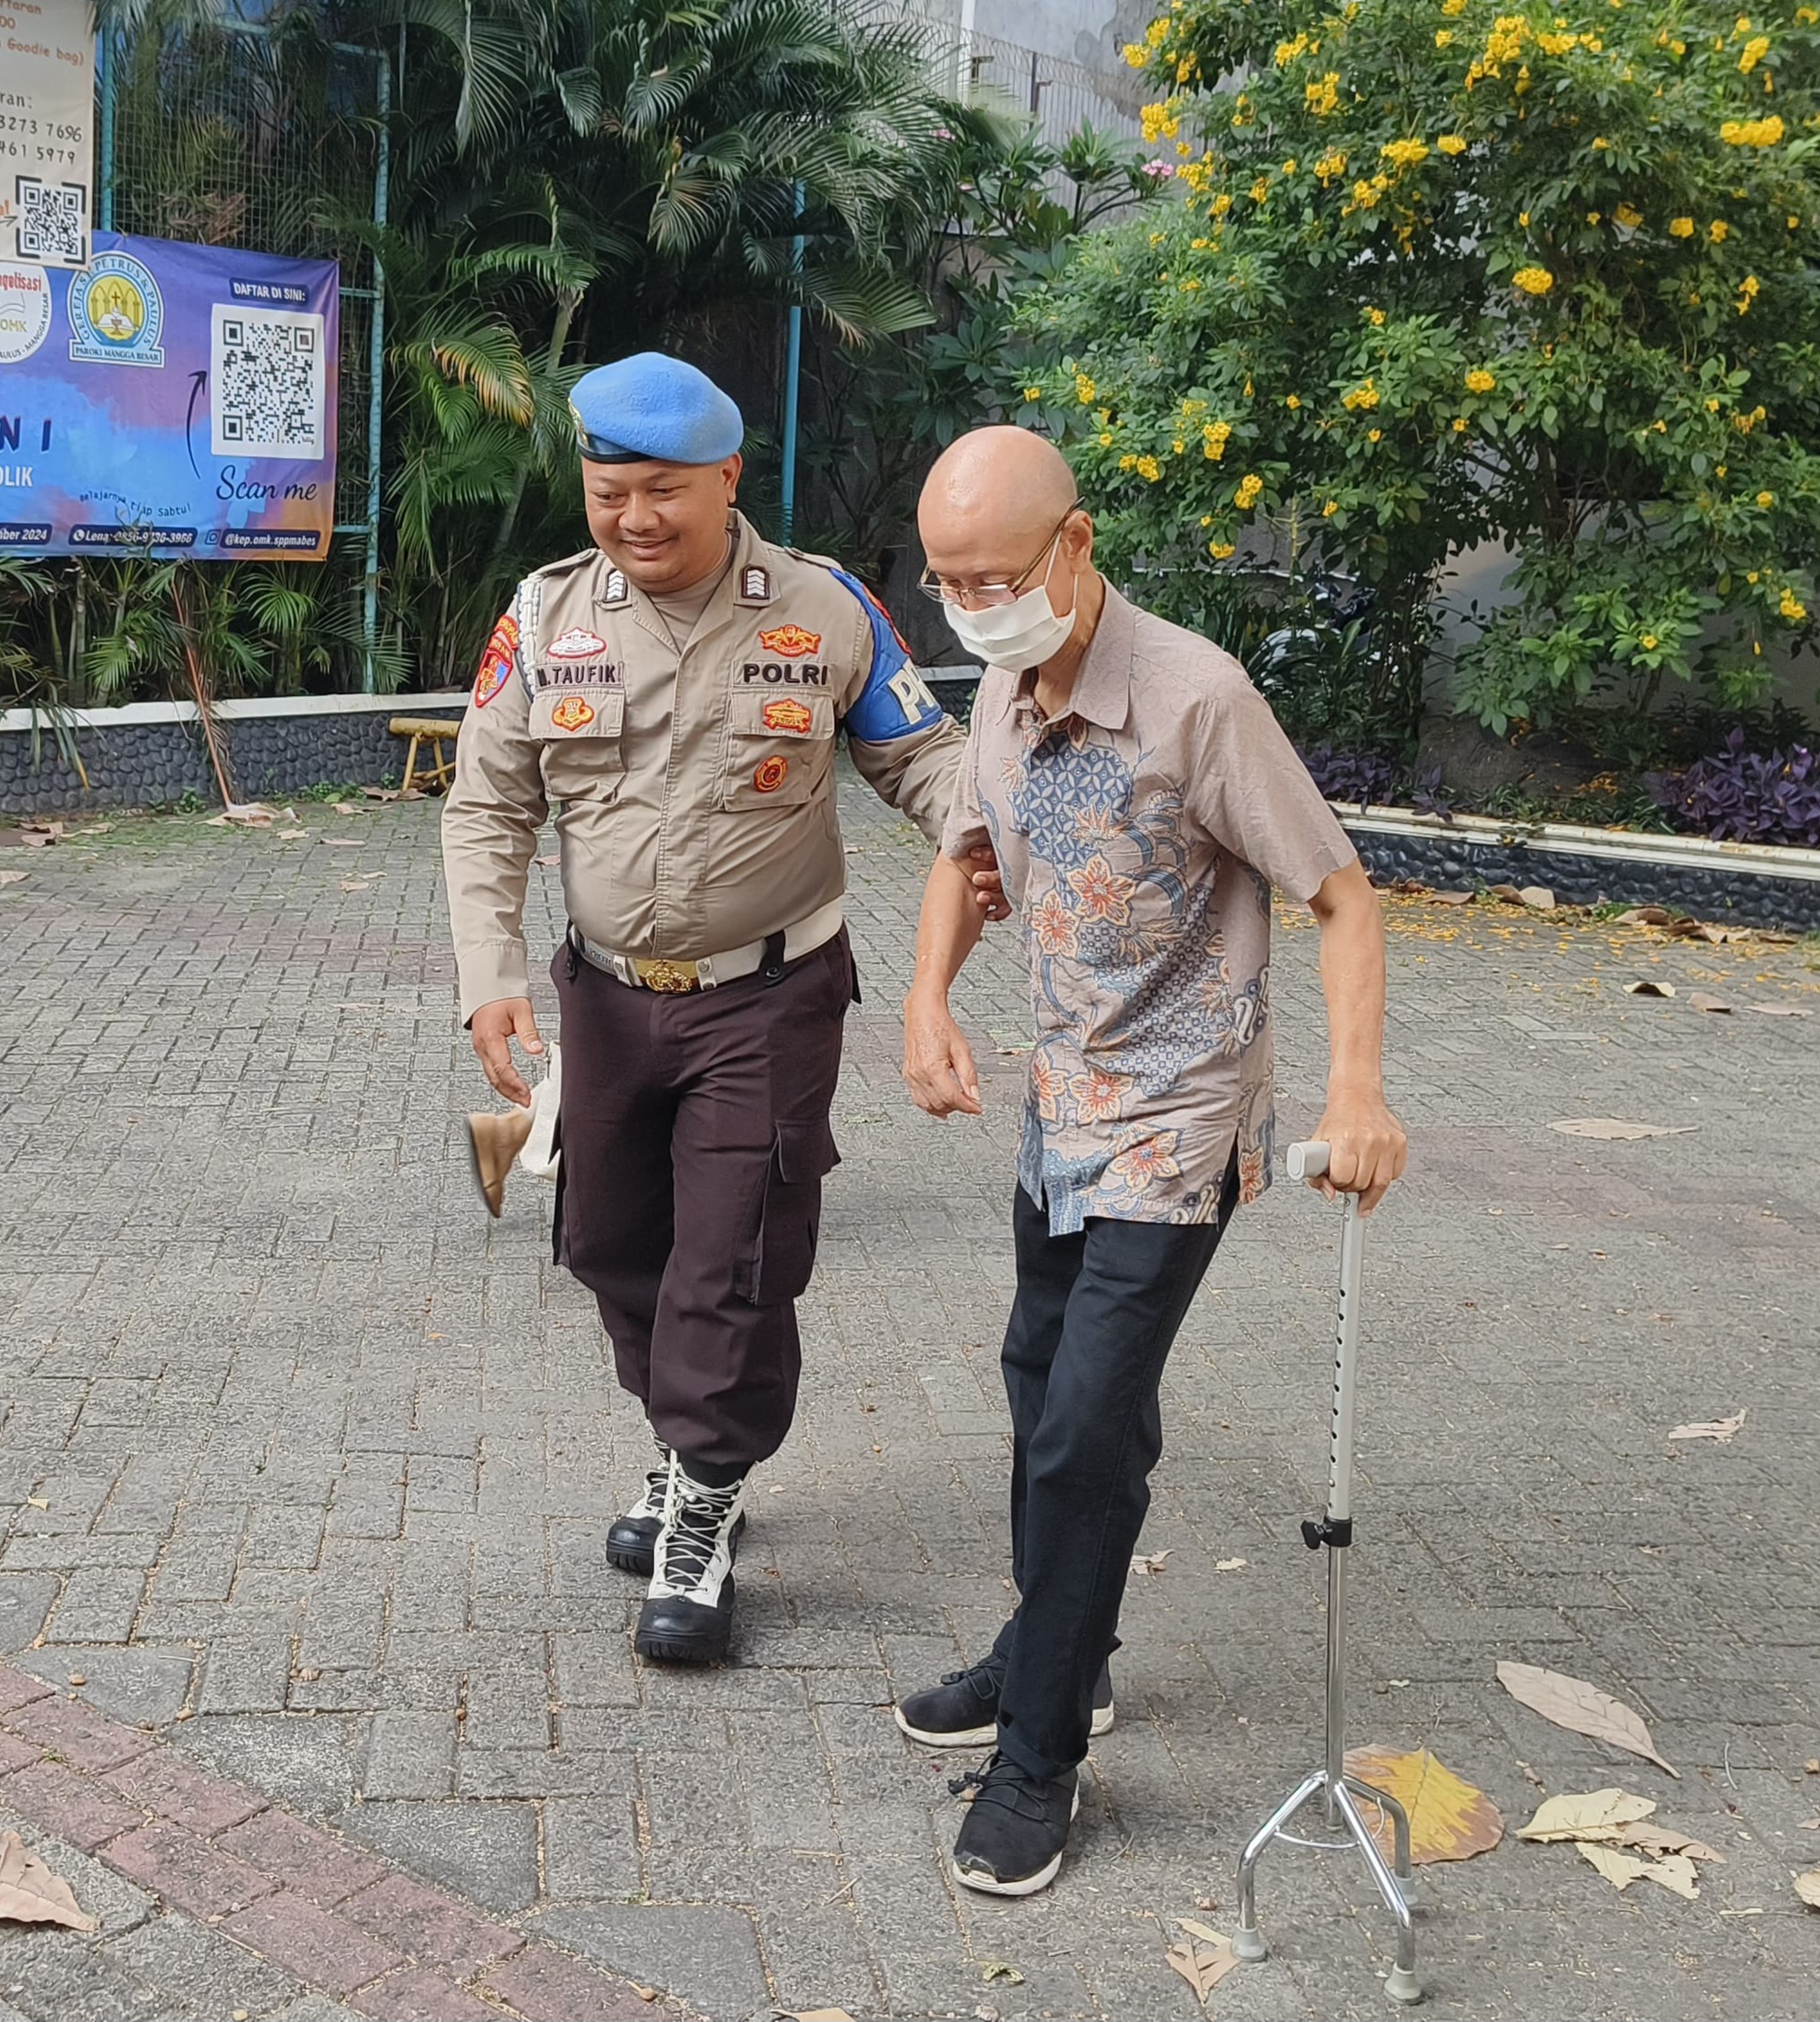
<point>1449,271</point>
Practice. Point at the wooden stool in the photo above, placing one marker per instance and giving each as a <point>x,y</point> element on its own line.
<point>435,731</point>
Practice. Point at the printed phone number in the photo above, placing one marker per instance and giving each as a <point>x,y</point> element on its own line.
<point>36,151</point>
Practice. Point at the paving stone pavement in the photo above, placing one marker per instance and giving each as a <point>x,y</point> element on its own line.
<point>304,1467</point>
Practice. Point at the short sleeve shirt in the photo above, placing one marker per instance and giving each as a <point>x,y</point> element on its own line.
<point>1139,833</point>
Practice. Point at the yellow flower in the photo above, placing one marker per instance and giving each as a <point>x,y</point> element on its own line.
<point>1159,122</point>
<point>1148,467</point>
<point>1136,55</point>
<point>1364,197</point>
<point>1592,217</point>
<point>1794,221</point>
<point>1221,204</point>
<point>1221,550</point>
<point>1323,95</point>
<point>1753,53</point>
<point>1289,167</point>
<point>1443,38</point>
<point>1712,406</point>
<point>1751,132</point>
<point>1330,508</point>
<point>1649,642</point>
<point>1629,217</point>
<point>1084,389</point>
<point>1680,228</point>
<point>1177,446</point>
<point>1105,439</point>
<point>1375,317</point>
<point>1452,143</point>
<point>1532,280</point>
<point>1749,289</point>
<point>1600,145</point>
<point>1460,425</point>
<point>1215,437</point>
<point>1331,165</point>
<point>1718,231</point>
<point>1287,52</point>
<point>1478,380</point>
<point>1366,397</point>
<point>1374,435</point>
<point>1246,497</point>
<point>1405,154</point>
<point>1293,402</point>
<point>1659,426</point>
<point>1033,393</point>
<point>1557,44</point>
<point>1765,499</point>
<point>1792,608</point>
<point>1523,219</point>
<point>1452,9</point>
<point>1260,190</point>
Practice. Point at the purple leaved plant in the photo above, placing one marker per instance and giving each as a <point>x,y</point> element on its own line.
<point>1352,775</point>
<point>1738,796</point>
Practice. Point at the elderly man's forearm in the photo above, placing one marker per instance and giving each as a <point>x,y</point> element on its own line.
<point>948,930</point>
<point>1353,975</point>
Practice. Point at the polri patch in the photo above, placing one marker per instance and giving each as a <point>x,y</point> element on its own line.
<point>791,642</point>
<point>571,713</point>
<point>577,644</point>
<point>496,662</point>
<point>788,714</point>
<point>769,776</point>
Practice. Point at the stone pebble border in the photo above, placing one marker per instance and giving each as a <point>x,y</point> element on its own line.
<point>332,1915</point>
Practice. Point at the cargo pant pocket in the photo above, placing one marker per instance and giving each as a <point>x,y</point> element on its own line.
<point>779,1258</point>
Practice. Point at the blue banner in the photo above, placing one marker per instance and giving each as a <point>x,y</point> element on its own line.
<point>169,399</point>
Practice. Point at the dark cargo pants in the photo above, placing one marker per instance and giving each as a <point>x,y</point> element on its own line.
<point>694,1141</point>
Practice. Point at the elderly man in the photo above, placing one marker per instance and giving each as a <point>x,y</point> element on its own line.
<point>676,688</point>
<point>1143,800</point>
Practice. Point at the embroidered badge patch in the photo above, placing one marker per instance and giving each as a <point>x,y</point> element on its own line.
<point>791,642</point>
<point>769,776</point>
<point>577,644</point>
<point>755,585</point>
<point>496,662</point>
<point>788,714</point>
<point>571,713</point>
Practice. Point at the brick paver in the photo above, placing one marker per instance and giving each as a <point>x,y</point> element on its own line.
<point>308,1467</point>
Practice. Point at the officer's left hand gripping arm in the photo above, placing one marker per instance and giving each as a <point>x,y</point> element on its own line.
<point>905,748</point>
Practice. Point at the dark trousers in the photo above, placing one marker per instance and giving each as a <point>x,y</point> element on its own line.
<point>1091,1327</point>
<point>694,1141</point>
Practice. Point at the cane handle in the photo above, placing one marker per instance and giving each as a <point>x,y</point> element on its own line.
<point>1307,1161</point>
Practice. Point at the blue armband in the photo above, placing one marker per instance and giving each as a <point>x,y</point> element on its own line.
<point>895,702</point>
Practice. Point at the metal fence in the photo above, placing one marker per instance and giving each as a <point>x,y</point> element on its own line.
<point>222,134</point>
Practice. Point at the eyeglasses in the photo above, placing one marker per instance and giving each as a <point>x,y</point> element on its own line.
<point>988,596</point>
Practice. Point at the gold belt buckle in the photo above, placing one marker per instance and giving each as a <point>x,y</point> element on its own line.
<point>673,978</point>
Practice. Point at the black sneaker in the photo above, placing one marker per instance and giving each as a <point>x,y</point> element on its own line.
<point>1011,1840</point>
<point>632,1539</point>
<point>688,1617</point>
<point>963,1710</point>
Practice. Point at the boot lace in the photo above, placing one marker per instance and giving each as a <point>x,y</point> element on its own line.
<point>693,1524</point>
<point>1003,1782</point>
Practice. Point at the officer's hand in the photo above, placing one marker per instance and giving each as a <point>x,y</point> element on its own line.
<point>937,1062</point>
<point>494,1027</point>
<point>988,881</point>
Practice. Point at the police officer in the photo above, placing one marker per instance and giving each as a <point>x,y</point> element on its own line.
<point>674,690</point>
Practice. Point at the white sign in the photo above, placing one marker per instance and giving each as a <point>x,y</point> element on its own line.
<point>47,129</point>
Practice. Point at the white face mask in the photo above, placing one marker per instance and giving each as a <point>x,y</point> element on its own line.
<point>1022,634</point>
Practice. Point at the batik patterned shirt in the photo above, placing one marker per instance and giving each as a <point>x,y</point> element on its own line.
<point>1140,832</point>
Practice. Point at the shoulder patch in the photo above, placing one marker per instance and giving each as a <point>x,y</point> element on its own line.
<point>895,702</point>
<point>754,584</point>
<point>616,591</point>
<point>496,661</point>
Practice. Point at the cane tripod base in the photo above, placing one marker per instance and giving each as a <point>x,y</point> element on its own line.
<point>1397,1887</point>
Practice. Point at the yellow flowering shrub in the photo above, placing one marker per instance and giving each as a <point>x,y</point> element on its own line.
<point>1577,213</point>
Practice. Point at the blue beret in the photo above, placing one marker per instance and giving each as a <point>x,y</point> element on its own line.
<point>653,408</point>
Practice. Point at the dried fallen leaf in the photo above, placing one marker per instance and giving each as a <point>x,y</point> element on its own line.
<point>346,807</point>
<point>1618,1131</point>
<point>1807,1887</point>
<point>1619,1868</point>
<point>819,2015</point>
<point>1660,1839</point>
<point>342,842</point>
<point>1229,1565</point>
<point>1149,1562</point>
<point>1676,1873</point>
<point>1001,1969</point>
<point>380,792</point>
<point>1196,1929</point>
<point>39,1502</point>
<point>1647,986</point>
<point>1507,892</point>
<point>1202,1965</point>
<point>1764,1010</point>
<point>1811,1765</point>
<point>1722,1430</point>
<point>1574,1704</point>
<point>1702,1000</point>
<point>1449,1819</point>
<point>1809,1826</point>
<point>78,1677</point>
<point>291,835</point>
<point>1537,898</point>
<point>1576,1812</point>
<point>1451,898</point>
<point>356,884</point>
<point>1645,916</point>
<point>30,1894</point>
<point>13,877</point>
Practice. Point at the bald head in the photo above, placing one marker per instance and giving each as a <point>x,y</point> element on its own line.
<point>991,508</point>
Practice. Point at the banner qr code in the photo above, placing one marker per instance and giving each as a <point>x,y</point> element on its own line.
<point>53,220</point>
<point>266,373</point>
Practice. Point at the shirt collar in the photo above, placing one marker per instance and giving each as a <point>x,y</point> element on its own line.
<point>1102,693</point>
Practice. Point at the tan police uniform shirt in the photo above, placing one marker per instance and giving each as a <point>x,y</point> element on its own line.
<point>693,785</point>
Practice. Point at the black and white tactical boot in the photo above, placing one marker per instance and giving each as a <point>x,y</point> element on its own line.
<point>631,1539</point>
<point>688,1617</point>
<point>963,1710</point>
<point>1016,1828</point>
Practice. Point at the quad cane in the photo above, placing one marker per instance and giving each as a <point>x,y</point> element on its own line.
<point>1339,1792</point>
